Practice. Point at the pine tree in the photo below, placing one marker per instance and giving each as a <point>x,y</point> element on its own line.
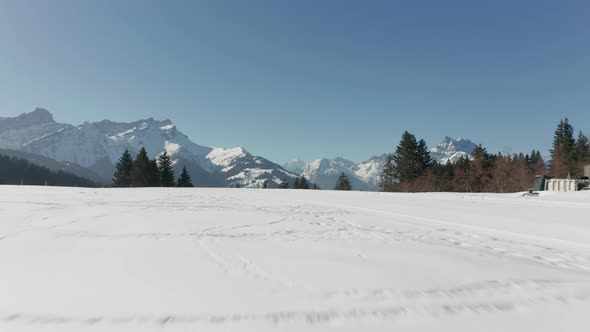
<point>184,180</point>
<point>387,177</point>
<point>284,184</point>
<point>563,154</point>
<point>343,183</point>
<point>153,174</point>
<point>166,172</point>
<point>122,176</point>
<point>304,183</point>
<point>481,169</point>
<point>265,184</point>
<point>141,169</point>
<point>582,151</point>
<point>411,158</point>
<point>462,177</point>
<point>424,158</point>
<point>296,184</point>
<point>315,187</point>
<point>15,171</point>
<point>536,163</point>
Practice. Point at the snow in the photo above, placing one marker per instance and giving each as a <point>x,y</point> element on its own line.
<point>191,259</point>
<point>250,173</point>
<point>225,157</point>
<point>295,165</point>
<point>370,171</point>
<point>172,148</point>
<point>126,132</point>
<point>452,150</point>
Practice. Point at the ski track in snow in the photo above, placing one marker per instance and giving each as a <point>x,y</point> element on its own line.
<point>234,233</point>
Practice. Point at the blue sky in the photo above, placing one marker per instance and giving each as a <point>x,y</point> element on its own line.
<point>305,78</point>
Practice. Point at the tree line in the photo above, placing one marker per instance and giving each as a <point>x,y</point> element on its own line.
<point>411,169</point>
<point>299,183</point>
<point>16,171</point>
<point>145,172</point>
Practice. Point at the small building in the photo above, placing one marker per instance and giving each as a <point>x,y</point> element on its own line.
<point>539,184</point>
<point>565,184</point>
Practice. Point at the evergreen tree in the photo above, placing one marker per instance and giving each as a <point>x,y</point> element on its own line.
<point>184,180</point>
<point>343,183</point>
<point>387,175</point>
<point>15,171</point>
<point>153,174</point>
<point>238,185</point>
<point>265,184</point>
<point>411,158</point>
<point>166,172</point>
<point>315,187</point>
<point>303,183</point>
<point>443,176</point>
<point>122,176</point>
<point>141,169</point>
<point>284,184</point>
<point>533,157</point>
<point>481,169</point>
<point>462,177</point>
<point>296,184</point>
<point>424,158</point>
<point>563,154</point>
<point>536,163</point>
<point>582,150</point>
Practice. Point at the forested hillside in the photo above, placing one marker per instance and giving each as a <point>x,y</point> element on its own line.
<point>20,171</point>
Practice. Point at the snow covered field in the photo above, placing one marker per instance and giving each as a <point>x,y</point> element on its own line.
<point>75,259</point>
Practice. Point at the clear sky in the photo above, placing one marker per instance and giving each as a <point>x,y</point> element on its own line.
<point>305,78</point>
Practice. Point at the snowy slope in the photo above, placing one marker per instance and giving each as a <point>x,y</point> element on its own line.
<point>241,167</point>
<point>452,150</point>
<point>98,146</point>
<point>159,259</point>
<point>370,171</point>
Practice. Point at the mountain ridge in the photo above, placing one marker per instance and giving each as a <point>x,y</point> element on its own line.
<point>97,146</point>
<point>366,175</point>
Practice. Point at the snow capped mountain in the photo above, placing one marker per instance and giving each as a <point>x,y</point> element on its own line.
<point>241,167</point>
<point>23,129</point>
<point>452,150</point>
<point>98,146</point>
<point>295,165</point>
<point>370,170</point>
<point>363,176</point>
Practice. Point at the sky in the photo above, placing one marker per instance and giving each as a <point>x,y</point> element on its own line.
<point>305,78</point>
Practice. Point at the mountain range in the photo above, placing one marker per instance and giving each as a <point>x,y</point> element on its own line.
<point>97,146</point>
<point>324,172</point>
<point>366,174</point>
<point>93,148</point>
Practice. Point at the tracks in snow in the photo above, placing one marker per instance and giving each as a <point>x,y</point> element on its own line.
<point>470,299</point>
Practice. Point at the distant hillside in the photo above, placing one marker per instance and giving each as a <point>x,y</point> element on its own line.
<point>15,170</point>
<point>56,166</point>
